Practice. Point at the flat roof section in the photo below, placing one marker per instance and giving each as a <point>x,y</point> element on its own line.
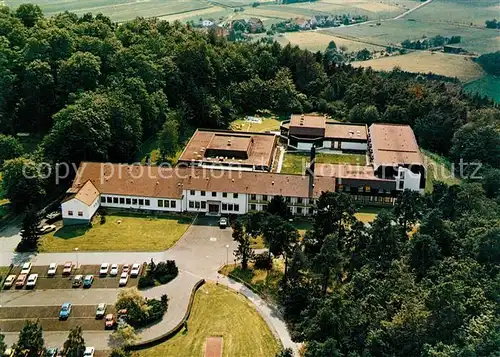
<point>229,147</point>
<point>394,144</point>
<point>310,125</point>
<point>343,131</point>
<point>348,171</point>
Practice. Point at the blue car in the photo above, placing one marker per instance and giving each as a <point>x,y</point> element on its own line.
<point>87,282</point>
<point>65,310</point>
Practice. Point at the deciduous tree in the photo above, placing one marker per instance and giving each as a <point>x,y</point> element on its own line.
<point>74,346</point>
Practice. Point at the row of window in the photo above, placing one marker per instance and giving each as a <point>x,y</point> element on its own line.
<point>167,203</point>
<point>347,188</point>
<point>214,194</point>
<point>203,205</point>
<point>123,201</point>
<point>80,213</point>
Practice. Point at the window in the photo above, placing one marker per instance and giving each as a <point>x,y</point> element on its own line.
<point>340,188</point>
<point>224,194</point>
<point>166,202</point>
<point>70,213</point>
<point>360,189</point>
<point>134,201</point>
<point>299,210</point>
<point>253,207</point>
<point>299,200</point>
<point>141,202</point>
<point>236,207</point>
<point>197,205</point>
<point>128,200</point>
<point>191,192</point>
<point>146,202</point>
<point>80,214</point>
<point>203,204</point>
<point>203,193</point>
<point>264,198</point>
<point>253,197</point>
<point>109,199</point>
<point>368,188</point>
<point>287,199</point>
<point>103,199</point>
<point>214,194</point>
<point>224,206</point>
<point>122,200</point>
<point>401,184</point>
<point>191,204</point>
<point>264,207</point>
<point>160,203</point>
<point>115,199</point>
<point>172,204</point>
<point>235,195</point>
<point>230,207</point>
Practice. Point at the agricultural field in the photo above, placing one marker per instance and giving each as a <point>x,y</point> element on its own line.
<point>394,32</point>
<point>488,85</point>
<point>117,10</point>
<point>318,41</point>
<point>443,64</point>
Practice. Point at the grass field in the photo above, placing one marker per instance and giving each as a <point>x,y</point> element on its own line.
<point>318,41</point>
<point>121,232</point>
<point>218,311</point>
<point>267,124</point>
<point>367,214</point>
<point>487,85</point>
<point>394,32</point>
<point>295,163</point>
<point>438,169</point>
<point>462,67</point>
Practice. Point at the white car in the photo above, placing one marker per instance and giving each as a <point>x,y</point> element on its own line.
<point>114,270</point>
<point>123,279</point>
<point>104,269</point>
<point>136,270</point>
<point>9,281</point>
<point>47,228</point>
<point>52,269</point>
<point>89,352</point>
<point>26,268</point>
<point>32,279</point>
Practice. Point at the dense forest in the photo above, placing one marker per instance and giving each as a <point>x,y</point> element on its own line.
<point>95,90</point>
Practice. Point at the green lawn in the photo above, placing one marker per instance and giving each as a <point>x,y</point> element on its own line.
<point>218,311</point>
<point>265,283</point>
<point>295,163</point>
<point>121,232</point>
<point>488,85</point>
<point>269,123</point>
<point>438,169</point>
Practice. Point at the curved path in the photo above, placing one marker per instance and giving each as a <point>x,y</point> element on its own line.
<point>201,251</point>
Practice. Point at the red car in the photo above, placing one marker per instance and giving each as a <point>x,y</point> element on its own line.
<point>109,321</point>
<point>68,266</point>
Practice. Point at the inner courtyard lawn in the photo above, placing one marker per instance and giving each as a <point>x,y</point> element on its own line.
<point>295,163</point>
<point>218,311</point>
<point>120,232</point>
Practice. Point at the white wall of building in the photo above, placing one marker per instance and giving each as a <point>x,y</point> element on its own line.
<point>76,209</point>
<point>145,203</point>
<point>408,180</point>
<point>227,200</point>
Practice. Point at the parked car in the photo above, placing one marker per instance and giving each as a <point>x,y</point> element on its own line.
<point>52,269</point>
<point>101,310</point>
<point>47,228</point>
<point>109,321</point>
<point>89,352</point>
<point>114,270</point>
<point>51,352</point>
<point>104,269</point>
<point>123,279</point>
<point>136,270</point>
<point>77,281</point>
<point>87,282</point>
<point>26,268</point>
<point>223,222</point>
<point>122,316</point>
<point>32,279</point>
<point>21,280</point>
<point>65,310</point>
<point>68,266</point>
<point>126,268</point>
<point>52,216</point>
<point>9,281</point>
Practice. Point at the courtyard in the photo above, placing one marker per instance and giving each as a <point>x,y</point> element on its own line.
<point>121,231</point>
<point>296,162</point>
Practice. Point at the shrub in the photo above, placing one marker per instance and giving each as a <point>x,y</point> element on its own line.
<point>263,261</point>
<point>165,271</point>
<point>141,312</point>
<point>146,281</point>
<point>103,219</point>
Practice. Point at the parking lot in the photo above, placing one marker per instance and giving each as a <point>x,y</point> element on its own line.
<point>12,319</point>
<point>60,281</point>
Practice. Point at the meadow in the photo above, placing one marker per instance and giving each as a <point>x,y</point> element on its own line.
<point>488,85</point>
<point>461,67</point>
<point>319,40</point>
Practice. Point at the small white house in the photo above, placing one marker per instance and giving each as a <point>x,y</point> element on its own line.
<point>207,23</point>
<point>80,207</point>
